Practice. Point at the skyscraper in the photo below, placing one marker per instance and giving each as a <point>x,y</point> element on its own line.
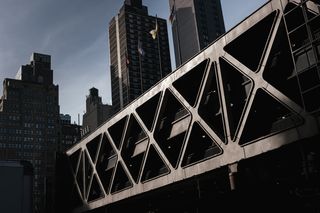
<point>195,24</point>
<point>29,114</point>
<point>139,52</point>
<point>96,112</point>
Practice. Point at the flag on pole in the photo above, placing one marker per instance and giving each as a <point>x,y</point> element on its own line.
<point>154,32</point>
<point>140,50</point>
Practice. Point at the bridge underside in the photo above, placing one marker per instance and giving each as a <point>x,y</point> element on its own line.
<point>237,123</point>
<point>265,183</point>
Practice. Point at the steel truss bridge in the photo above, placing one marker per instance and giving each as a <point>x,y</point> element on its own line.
<point>252,91</point>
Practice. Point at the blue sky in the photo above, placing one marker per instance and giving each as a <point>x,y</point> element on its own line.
<point>75,34</point>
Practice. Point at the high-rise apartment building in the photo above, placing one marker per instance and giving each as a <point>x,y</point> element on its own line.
<point>138,59</point>
<point>29,114</point>
<point>96,112</point>
<point>195,24</point>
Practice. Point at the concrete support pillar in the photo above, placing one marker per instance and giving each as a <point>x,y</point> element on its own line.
<point>233,170</point>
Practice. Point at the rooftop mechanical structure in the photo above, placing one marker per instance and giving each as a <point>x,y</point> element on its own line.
<point>252,91</point>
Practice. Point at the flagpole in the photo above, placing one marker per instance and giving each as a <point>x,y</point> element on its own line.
<point>128,75</point>
<point>159,52</point>
<point>140,67</point>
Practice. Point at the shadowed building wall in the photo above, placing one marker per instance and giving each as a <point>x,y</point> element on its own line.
<point>16,186</point>
<point>29,115</point>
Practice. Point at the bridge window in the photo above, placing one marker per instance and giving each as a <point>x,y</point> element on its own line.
<point>189,84</point>
<point>200,146</point>
<point>106,162</point>
<point>121,180</point>
<point>154,166</point>
<point>148,111</point>
<point>173,123</point>
<point>248,47</point>
<point>93,146</point>
<point>210,106</point>
<point>237,88</point>
<point>134,147</point>
<point>267,116</point>
<point>117,130</point>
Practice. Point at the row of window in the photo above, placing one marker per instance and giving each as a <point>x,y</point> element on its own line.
<point>20,131</point>
<point>6,138</point>
<point>20,146</point>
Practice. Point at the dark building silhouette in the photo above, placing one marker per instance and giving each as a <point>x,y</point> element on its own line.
<point>65,199</point>
<point>16,186</point>
<point>70,133</point>
<point>195,24</point>
<point>236,128</point>
<point>137,59</point>
<point>96,112</point>
<point>65,119</point>
<point>29,115</point>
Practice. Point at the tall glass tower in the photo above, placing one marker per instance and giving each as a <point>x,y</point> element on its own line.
<point>195,24</point>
